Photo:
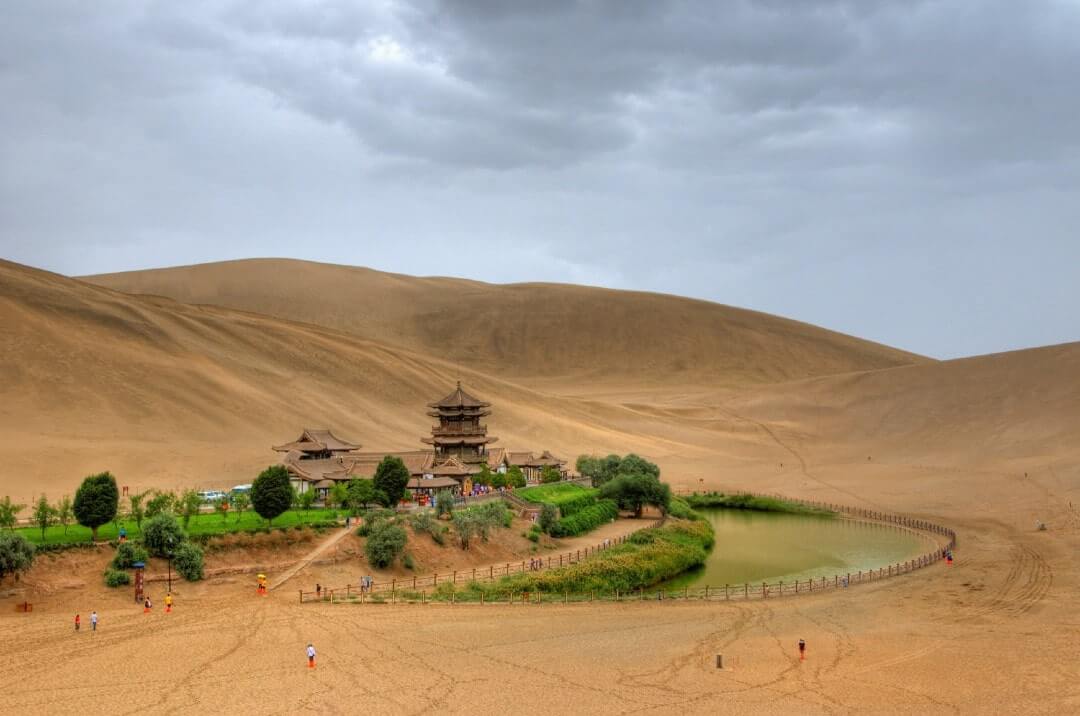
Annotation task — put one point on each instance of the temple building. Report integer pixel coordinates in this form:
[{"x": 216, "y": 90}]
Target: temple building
[{"x": 459, "y": 450}]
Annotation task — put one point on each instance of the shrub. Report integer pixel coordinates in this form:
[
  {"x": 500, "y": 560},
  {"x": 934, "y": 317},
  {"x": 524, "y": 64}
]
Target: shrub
[
  {"x": 96, "y": 501},
  {"x": 549, "y": 474},
  {"x": 384, "y": 544},
  {"x": 407, "y": 562},
  {"x": 162, "y": 501},
  {"x": 9, "y": 513},
  {"x": 576, "y": 503},
  {"x": 586, "y": 520},
  {"x": 127, "y": 554},
  {"x": 679, "y": 508},
  {"x": 444, "y": 503},
  {"x": 161, "y": 531},
  {"x": 271, "y": 493},
  {"x": 533, "y": 536},
  {"x": 116, "y": 577},
  {"x": 515, "y": 477},
  {"x": 189, "y": 504},
  {"x": 188, "y": 560},
  {"x": 16, "y": 555},
  {"x": 361, "y": 493},
  {"x": 549, "y": 515}
]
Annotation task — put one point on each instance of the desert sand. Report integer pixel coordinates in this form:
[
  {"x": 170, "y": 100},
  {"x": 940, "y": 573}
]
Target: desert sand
[{"x": 169, "y": 393}]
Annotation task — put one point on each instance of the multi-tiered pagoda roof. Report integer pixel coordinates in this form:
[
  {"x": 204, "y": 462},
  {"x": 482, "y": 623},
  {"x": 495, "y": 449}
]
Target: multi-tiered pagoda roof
[{"x": 459, "y": 431}]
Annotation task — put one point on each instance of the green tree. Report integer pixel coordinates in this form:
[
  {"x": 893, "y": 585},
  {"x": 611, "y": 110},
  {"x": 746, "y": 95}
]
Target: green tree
[
  {"x": 466, "y": 526},
  {"x": 384, "y": 543},
  {"x": 271, "y": 493},
  {"x": 9, "y": 513},
  {"x": 360, "y": 493},
  {"x": 588, "y": 466},
  {"x": 44, "y": 515},
  {"x": 16, "y": 555},
  {"x": 135, "y": 507},
  {"x": 515, "y": 477},
  {"x": 189, "y": 503},
  {"x": 127, "y": 554},
  {"x": 485, "y": 475},
  {"x": 633, "y": 464},
  {"x": 391, "y": 476},
  {"x": 633, "y": 492},
  {"x": 221, "y": 506},
  {"x": 96, "y": 502},
  {"x": 240, "y": 502},
  {"x": 549, "y": 517},
  {"x": 609, "y": 469},
  {"x": 498, "y": 480},
  {"x": 549, "y": 474},
  {"x": 65, "y": 513},
  {"x": 162, "y": 501},
  {"x": 444, "y": 503},
  {"x": 339, "y": 495},
  {"x": 305, "y": 500},
  {"x": 162, "y": 534}
]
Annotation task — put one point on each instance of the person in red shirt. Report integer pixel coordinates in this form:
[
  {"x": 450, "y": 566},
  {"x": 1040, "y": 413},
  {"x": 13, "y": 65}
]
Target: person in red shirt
[{"x": 78, "y": 622}]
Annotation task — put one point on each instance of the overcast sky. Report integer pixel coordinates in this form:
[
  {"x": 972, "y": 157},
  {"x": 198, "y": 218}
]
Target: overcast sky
[{"x": 904, "y": 171}]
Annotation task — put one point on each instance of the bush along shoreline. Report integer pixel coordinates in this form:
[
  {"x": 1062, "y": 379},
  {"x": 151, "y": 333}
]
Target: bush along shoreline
[
  {"x": 746, "y": 501},
  {"x": 647, "y": 558}
]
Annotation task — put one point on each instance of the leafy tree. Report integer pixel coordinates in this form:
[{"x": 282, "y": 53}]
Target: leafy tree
[
  {"x": 162, "y": 501},
  {"x": 44, "y": 515},
  {"x": 240, "y": 502},
  {"x": 633, "y": 492},
  {"x": 271, "y": 493},
  {"x": 588, "y": 466},
  {"x": 515, "y": 477},
  {"x": 549, "y": 474},
  {"x": 549, "y": 516},
  {"x": 189, "y": 504},
  {"x": 162, "y": 534},
  {"x": 384, "y": 543},
  {"x": 9, "y": 513},
  {"x": 609, "y": 469},
  {"x": 65, "y": 513},
  {"x": 632, "y": 464},
  {"x": 96, "y": 502},
  {"x": 339, "y": 495},
  {"x": 221, "y": 506},
  {"x": 16, "y": 555},
  {"x": 498, "y": 480},
  {"x": 135, "y": 507},
  {"x": 485, "y": 475},
  {"x": 360, "y": 493},
  {"x": 444, "y": 503},
  {"x": 391, "y": 476},
  {"x": 305, "y": 500},
  {"x": 465, "y": 524},
  {"x": 188, "y": 560}
]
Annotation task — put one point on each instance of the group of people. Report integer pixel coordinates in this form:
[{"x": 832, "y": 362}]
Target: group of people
[
  {"x": 148, "y": 605},
  {"x": 93, "y": 621},
  {"x": 536, "y": 563}
]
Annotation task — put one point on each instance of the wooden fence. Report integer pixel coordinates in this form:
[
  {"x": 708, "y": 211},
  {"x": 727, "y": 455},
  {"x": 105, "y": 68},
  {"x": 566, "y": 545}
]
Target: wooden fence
[{"x": 415, "y": 590}]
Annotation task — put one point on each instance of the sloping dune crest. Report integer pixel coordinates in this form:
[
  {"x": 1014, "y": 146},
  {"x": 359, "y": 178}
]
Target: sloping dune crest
[{"x": 565, "y": 337}]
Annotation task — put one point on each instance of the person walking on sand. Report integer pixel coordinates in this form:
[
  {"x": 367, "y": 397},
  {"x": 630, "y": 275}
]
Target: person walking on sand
[
  {"x": 310, "y": 656},
  {"x": 78, "y": 621},
  {"x": 802, "y": 650},
  {"x": 168, "y": 603},
  {"x": 147, "y": 605},
  {"x": 93, "y": 621}
]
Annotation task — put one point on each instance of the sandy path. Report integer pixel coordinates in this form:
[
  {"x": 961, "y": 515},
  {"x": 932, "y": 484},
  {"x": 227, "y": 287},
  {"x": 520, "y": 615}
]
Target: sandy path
[{"x": 311, "y": 557}]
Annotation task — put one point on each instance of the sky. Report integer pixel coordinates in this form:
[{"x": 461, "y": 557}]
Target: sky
[{"x": 906, "y": 171}]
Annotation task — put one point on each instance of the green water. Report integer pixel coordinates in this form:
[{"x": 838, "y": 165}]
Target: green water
[{"x": 760, "y": 547}]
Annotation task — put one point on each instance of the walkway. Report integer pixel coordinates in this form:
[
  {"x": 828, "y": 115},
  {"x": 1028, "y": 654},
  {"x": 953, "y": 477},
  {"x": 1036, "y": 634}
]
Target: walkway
[{"x": 311, "y": 557}]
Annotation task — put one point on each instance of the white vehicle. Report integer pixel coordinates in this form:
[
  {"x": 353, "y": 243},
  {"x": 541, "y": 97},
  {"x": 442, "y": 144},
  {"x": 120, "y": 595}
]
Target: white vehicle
[
  {"x": 212, "y": 495},
  {"x": 241, "y": 488}
]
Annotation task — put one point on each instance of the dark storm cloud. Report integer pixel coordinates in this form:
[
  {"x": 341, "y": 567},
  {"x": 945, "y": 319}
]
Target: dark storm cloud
[{"x": 903, "y": 170}]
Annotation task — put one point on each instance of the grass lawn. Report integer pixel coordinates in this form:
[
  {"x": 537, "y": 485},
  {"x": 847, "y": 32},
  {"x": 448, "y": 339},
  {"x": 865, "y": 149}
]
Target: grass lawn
[
  {"x": 203, "y": 524},
  {"x": 554, "y": 493},
  {"x": 746, "y": 501}
]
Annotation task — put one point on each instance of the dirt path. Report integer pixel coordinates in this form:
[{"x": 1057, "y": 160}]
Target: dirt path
[{"x": 310, "y": 557}]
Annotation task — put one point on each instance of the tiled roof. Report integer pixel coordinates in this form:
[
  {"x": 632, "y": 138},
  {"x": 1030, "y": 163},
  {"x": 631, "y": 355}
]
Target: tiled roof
[{"x": 459, "y": 399}]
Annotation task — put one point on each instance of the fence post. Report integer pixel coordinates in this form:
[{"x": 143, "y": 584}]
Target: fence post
[
  {"x": 414, "y": 582},
  {"x": 746, "y": 590},
  {"x": 455, "y": 576},
  {"x": 781, "y": 592},
  {"x": 796, "y": 586},
  {"x": 481, "y": 598},
  {"x": 764, "y": 595},
  {"x": 706, "y": 592},
  {"x": 301, "y": 596}
]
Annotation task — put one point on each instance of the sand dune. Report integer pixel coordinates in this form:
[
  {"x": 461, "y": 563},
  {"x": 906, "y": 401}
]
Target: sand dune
[
  {"x": 170, "y": 394},
  {"x": 561, "y": 337}
]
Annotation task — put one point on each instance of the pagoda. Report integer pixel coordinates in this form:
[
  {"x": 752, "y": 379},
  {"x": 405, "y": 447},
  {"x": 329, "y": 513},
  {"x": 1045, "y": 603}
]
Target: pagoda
[{"x": 460, "y": 434}]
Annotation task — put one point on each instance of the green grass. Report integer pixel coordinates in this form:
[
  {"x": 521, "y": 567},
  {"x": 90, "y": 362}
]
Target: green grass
[
  {"x": 204, "y": 524},
  {"x": 746, "y": 501},
  {"x": 555, "y": 493}
]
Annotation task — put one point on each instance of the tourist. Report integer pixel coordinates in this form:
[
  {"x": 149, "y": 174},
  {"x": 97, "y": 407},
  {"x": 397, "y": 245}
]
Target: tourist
[
  {"x": 802, "y": 649},
  {"x": 123, "y": 534},
  {"x": 147, "y": 605},
  {"x": 311, "y": 656},
  {"x": 78, "y": 622},
  {"x": 318, "y": 591},
  {"x": 93, "y": 621},
  {"x": 168, "y": 603}
]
